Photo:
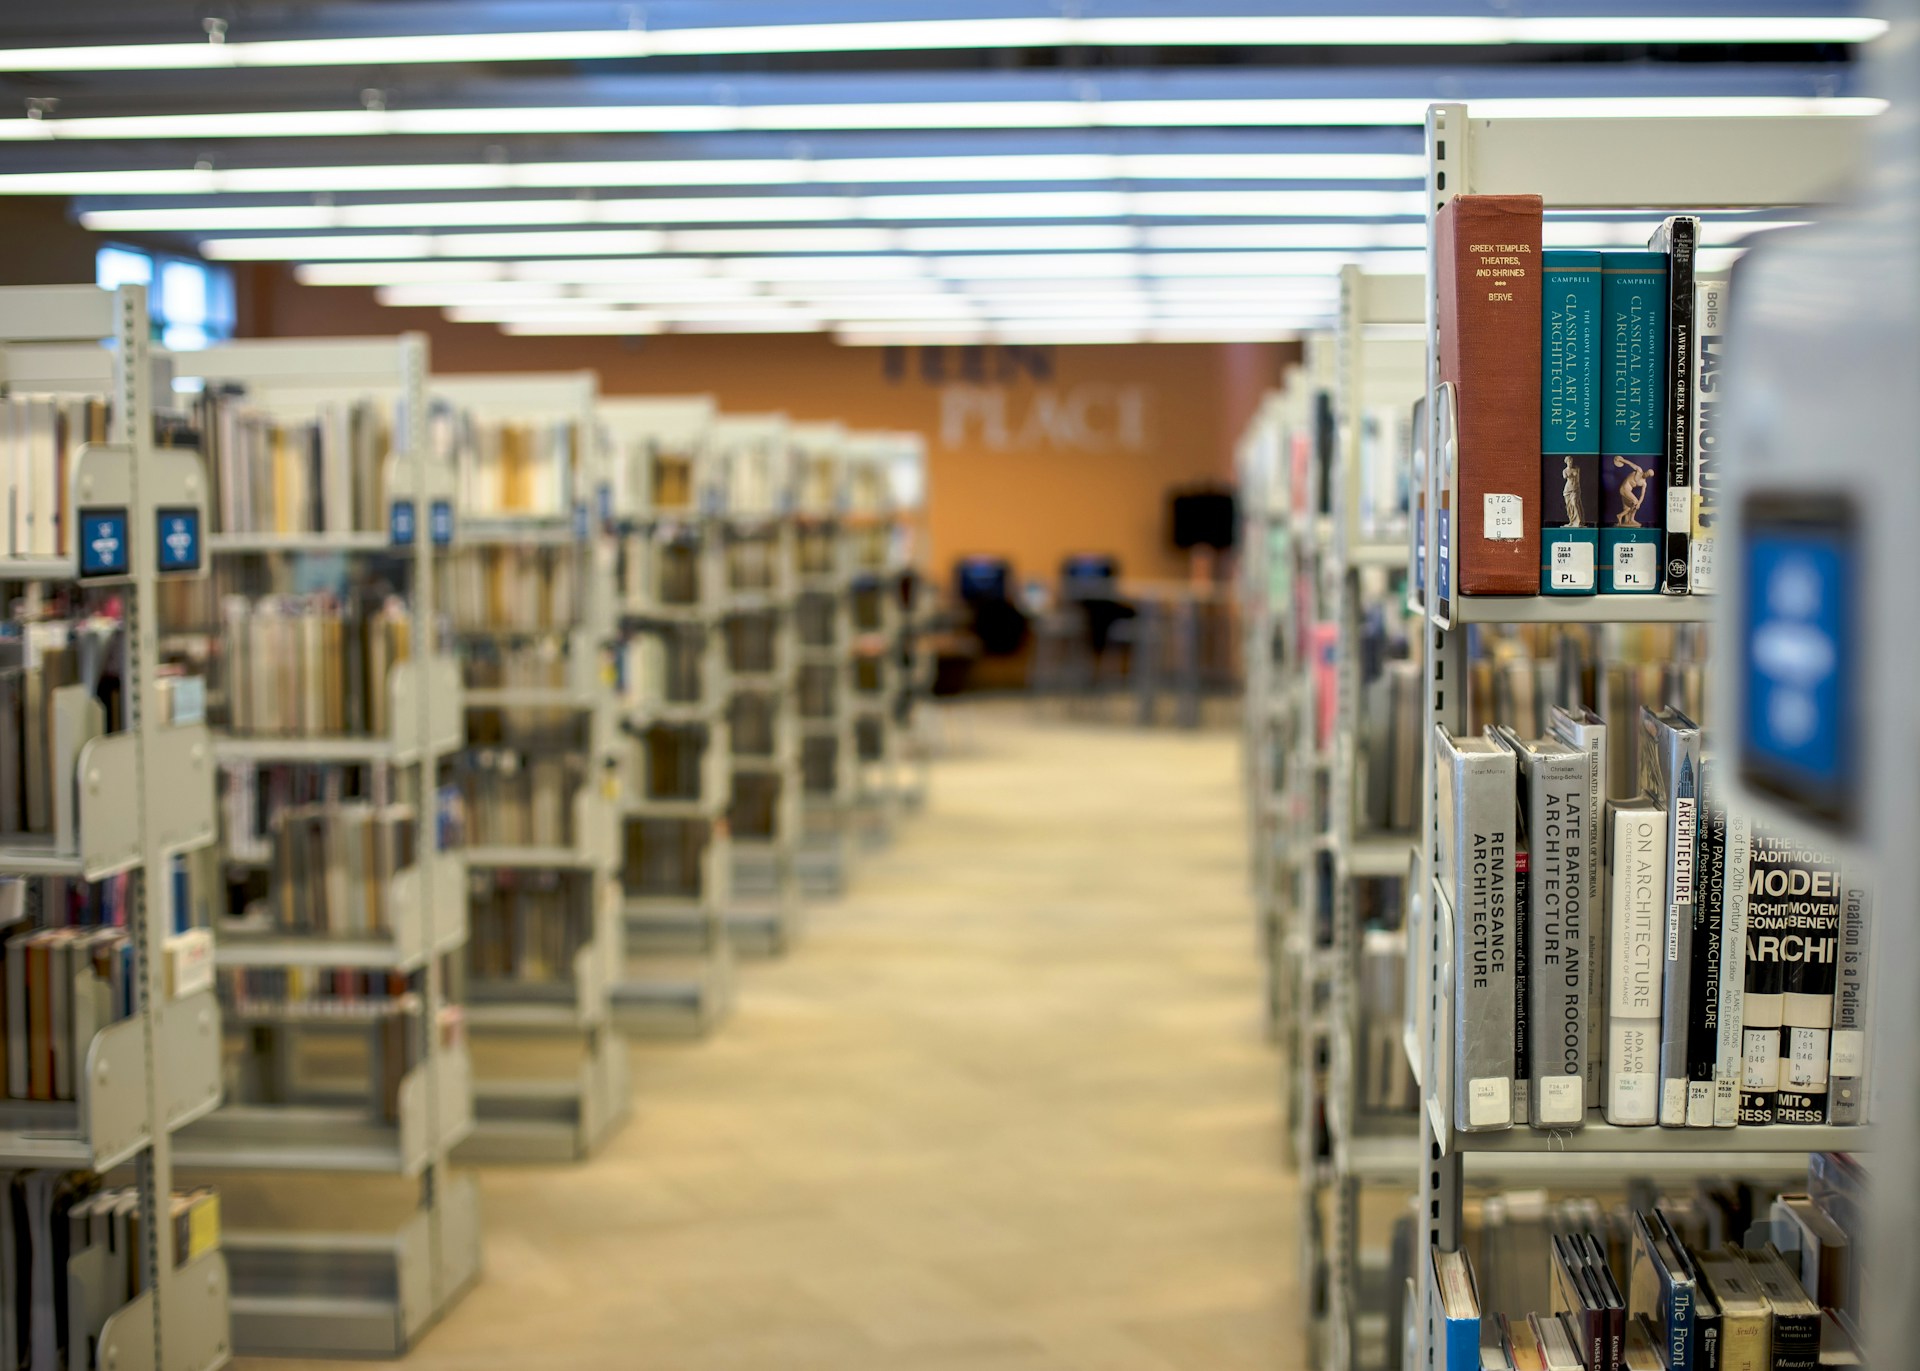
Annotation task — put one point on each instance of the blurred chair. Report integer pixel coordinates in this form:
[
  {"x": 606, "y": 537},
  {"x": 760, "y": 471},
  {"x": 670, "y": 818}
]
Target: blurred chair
[{"x": 981, "y": 585}]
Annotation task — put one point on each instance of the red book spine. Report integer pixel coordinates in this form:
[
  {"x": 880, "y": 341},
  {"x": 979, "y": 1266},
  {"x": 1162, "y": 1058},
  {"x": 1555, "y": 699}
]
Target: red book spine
[{"x": 1489, "y": 302}]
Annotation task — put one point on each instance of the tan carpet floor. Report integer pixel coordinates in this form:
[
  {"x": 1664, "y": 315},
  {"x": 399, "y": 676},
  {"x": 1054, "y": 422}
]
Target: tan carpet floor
[{"x": 1007, "y": 1108}]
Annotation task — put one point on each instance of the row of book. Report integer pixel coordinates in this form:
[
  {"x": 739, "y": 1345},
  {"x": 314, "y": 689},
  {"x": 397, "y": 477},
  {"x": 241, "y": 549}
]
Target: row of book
[
  {"x": 523, "y": 926},
  {"x": 310, "y": 665},
  {"x": 1659, "y": 956},
  {"x": 753, "y": 723},
  {"x": 1584, "y": 394},
  {"x": 330, "y": 869},
  {"x": 273, "y": 476},
  {"x": 1782, "y": 1295},
  {"x": 532, "y": 664},
  {"x": 61, "y": 684},
  {"x": 662, "y": 565},
  {"x": 515, "y": 468},
  {"x": 664, "y": 858},
  {"x": 668, "y": 664},
  {"x": 61, "y": 987},
  {"x": 667, "y": 761},
  {"x": 753, "y": 642},
  {"x": 817, "y": 687},
  {"x": 51, "y": 1217},
  {"x": 518, "y": 796},
  {"x": 513, "y": 589},
  {"x": 303, "y": 994},
  {"x": 40, "y": 436},
  {"x": 754, "y": 813}
]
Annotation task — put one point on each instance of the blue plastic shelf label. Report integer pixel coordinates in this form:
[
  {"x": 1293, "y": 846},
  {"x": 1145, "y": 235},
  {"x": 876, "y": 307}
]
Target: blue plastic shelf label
[
  {"x": 178, "y": 542},
  {"x": 400, "y": 522},
  {"x": 580, "y": 521},
  {"x": 103, "y": 542},
  {"x": 604, "y": 495},
  {"x": 440, "y": 523},
  {"x": 1798, "y": 656}
]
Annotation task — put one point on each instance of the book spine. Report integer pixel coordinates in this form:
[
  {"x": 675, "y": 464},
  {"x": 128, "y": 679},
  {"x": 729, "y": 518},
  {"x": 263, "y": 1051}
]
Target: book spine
[
  {"x": 1709, "y": 893},
  {"x": 1489, "y": 349},
  {"x": 1682, "y": 804},
  {"x": 1770, "y": 921},
  {"x": 1633, "y": 979},
  {"x": 1484, "y": 948},
  {"x": 1813, "y": 898},
  {"x": 1560, "y": 835},
  {"x": 1710, "y": 341},
  {"x": 1796, "y": 1342},
  {"x": 1522, "y": 1000},
  {"x": 1569, "y": 423},
  {"x": 1633, "y": 303},
  {"x": 1847, "y": 1072},
  {"x": 1681, "y": 231},
  {"x": 1733, "y": 970}
]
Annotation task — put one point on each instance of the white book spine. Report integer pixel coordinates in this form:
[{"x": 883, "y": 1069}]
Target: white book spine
[
  {"x": 1635, "y": 965},
  {"x": 1846, "y": 1103},
  {"x": 1733, "y": 972}
]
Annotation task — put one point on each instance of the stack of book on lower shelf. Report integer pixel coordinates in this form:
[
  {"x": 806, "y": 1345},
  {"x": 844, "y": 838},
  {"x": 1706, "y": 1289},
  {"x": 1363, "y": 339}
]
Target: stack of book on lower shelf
[
  {"x": 327, "y": 864},
  {"x": 1728, "y": 1278},
  {"x": 1657, "y": 957},
  {"x": 69, "y": 1247},
  {"x": 311, "y": 665}
]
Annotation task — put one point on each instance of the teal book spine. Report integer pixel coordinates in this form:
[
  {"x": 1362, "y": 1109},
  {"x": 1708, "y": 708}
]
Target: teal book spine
[
  {"x": 1633, "y": 427},
  {"x": 1569, "y": 422}
]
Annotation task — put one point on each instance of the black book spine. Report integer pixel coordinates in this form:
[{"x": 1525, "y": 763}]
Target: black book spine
[
  {"x": 1796, "y": 1342},
  {"x": 1522, "y": 1050},
  {"x": 1709, "y": 899},
  {"x": 1678, "y": 542}
]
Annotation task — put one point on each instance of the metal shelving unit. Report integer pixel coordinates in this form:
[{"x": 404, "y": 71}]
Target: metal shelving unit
[
  {"x": 1646, "y": 164},
  {"x": 141, "y": 797},
  {"x": 550, "y": 1070},
  {"x": 302, "y": 1284},
  {"x": 823, "y": 612},
  {"x": 764, "y": 910},
  {"x": 667, "y": 496},
  {"x": 1367, "y": 1148}
]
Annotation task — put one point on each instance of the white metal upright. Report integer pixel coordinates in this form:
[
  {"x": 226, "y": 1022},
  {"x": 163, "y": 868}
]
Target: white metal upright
[{"x": 137, "y": 798}]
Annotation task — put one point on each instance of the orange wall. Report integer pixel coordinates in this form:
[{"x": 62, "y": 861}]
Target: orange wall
[{"x": 1019, "y": 466}]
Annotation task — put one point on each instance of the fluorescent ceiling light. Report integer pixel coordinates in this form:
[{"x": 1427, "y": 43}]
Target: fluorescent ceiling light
[
  {"x": 597, "y": 243},
  {"x": 926, "y": 35},
  {"x": 954, "y": 114},
  {"x": 605, "y": 323},
  {"x": 1021, "y": 237},
  {"x": 722, "y": 240},
  {"x": 438, "y": 214},
  {"x": 726, "y": 171},
  {"x": 1257, "y": 236}
]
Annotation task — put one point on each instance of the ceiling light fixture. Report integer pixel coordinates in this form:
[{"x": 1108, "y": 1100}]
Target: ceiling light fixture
[
  {"x": 503, "y": 120},
  {"x": 928, "y": 35}
]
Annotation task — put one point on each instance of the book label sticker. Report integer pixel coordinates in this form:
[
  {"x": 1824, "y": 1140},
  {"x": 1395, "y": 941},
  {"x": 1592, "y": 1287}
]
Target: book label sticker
[
  {"x": 1680, "y": 510},
  {"x": 1849, "y": 1051},
  {"x": 178, "y": 541},
  {"x": 1760, "y": 1060},
  {"x": 1563, "y": 1099},
  {"x": 1502, "y": 520},
  {"x": 1572, "y": 566},
  {"x": 1807, "y": 1062},
  {"x": 1673, "y": 1100},
  {"x": 1702, "y": 565},
  {"x": 1700, "y": 1104},
  {"x": 103, "y": 542},
  {"x": 1636, "y": 566},
  {"x": 1633, "y": 1095},
  {"x": 1489, "y": 1101}
]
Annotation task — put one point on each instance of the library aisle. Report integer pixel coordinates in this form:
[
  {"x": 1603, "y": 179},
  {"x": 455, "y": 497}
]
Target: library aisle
[{"x": 1006, "y": 1108}]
